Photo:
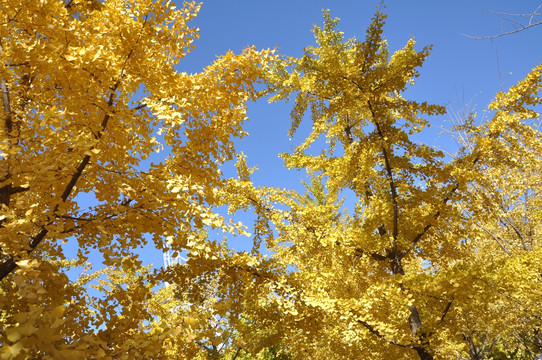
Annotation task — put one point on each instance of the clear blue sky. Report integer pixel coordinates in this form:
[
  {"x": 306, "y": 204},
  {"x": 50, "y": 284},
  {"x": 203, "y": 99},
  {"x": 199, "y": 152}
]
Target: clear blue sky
[{"x": 461, "y": 71}]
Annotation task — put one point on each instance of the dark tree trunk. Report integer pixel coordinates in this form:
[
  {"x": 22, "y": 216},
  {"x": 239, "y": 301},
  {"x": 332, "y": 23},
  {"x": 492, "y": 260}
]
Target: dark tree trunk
[{"x": 423, "y": 354}]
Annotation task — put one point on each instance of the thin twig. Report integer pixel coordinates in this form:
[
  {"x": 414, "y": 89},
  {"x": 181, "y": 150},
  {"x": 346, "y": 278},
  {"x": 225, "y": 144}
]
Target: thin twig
[{"x": 518, "y": 26}]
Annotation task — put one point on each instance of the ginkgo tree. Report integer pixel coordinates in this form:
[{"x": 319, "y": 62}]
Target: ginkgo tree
[
  {"x": 438, "y": 257},
  {"x": 90, "y": 91}
]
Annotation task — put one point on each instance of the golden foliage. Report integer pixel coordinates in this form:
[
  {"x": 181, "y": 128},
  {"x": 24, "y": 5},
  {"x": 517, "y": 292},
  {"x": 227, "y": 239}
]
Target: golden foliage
[
  {"x": 436, "y": 257},
  {"x": 94, "y": 108}
]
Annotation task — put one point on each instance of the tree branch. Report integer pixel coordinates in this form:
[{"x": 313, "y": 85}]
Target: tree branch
[
  {"x": 10, "y": 264},
  {"x": 394, "y": 255},
  {"x": 236, "y": 353},
  {"x": 517, "y": 24},
  {"x": 496, "y": 238},
  {"x": 505, "y": 33},
  {"x": 444, "y": 313},
  {"x": 389, "y": 171},
  {"x": 373, "y": 331}
]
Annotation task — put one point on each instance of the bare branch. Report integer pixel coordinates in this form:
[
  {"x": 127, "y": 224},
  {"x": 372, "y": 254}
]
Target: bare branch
[
  {"x": 511, "y": 18},
  {"x": 504, "y": 33}
]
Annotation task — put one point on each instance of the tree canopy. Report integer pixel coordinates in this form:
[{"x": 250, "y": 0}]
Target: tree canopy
[
  {"x": 396, "y": 250},
  {"x": 90, "y": 91},
  {"x": 420, "y": 264}
]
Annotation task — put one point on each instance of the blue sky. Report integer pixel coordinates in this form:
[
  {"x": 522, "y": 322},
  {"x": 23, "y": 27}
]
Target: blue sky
[{"x": 460, "y": 72}]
